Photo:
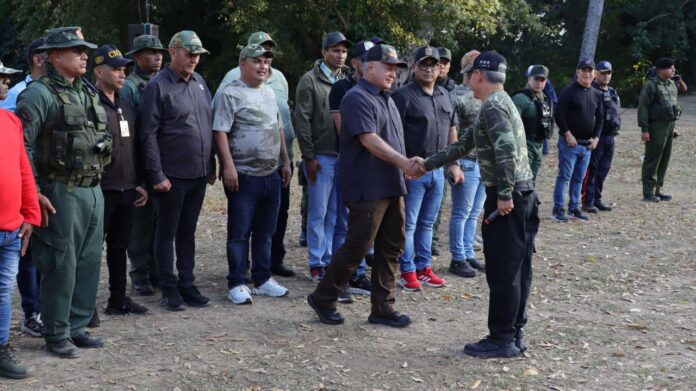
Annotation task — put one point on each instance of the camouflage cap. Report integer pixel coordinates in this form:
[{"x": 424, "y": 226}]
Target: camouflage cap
[
  {"x": 7, "y": 71},
  {"x": 260, "y": 38},
  {"x": 188, "y": 40},
  {"x": 65, "y": 37},
  {"x": 385, "y": 54},
  {"x": 255, "y": 51},
  {"x": 146, "y": 41}
]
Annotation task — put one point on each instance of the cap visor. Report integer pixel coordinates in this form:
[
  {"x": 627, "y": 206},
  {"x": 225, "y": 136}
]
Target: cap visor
[
  {"x": 198, "y": 51},
  {"x": 400, "y": 64},
  {"x": 424, "y": 57},
  {"x": 65, "y": 45},
  {"x": 133, "y": 51},
  {"x": 8, "y": 71}
]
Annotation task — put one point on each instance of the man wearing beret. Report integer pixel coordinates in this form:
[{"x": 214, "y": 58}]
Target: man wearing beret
[
  {"x": 122, "y": 182},
  {"x": 658, "y": 112},
  {"x": 67, "y": 140},
  {"x": 317, "y": 139},
  {"x": 147, "y": 53},
  {"x": 177, "y": 141},
  {"x": 508, "y": 240}
]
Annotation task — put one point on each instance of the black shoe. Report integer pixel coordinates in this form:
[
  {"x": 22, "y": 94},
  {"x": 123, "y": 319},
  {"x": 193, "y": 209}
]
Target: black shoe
[
  {"x": 63, "y": 349},
  {"x": 519, "y": 341},
  {"x": 87, "y": 341},
  {"x": 435, "y": 252},
  {"x": 477, "y": 265},
  {"x": 394, "y": 319},
  {"x": 462, "y": 269},
  {"x": 576, "y": 214},
  {"x": 651, "y": 198},
  {"x": 345, "y": 297},
  {"x": 559, "y": 214},
  {"x": 602, "y": 207},
  {"x": 360, "y": 286},
  {"x": 283, "y": 271},
  {"x": 589, "y": 208},
  {"x": 487, "y": 348},
  {"x": 9, "y": 367},
  {"x": 192, "y": 296},
  {"x": 142, "y": 286},
  {"x": 94, "y": 322},
  {"x": 326, "y": 315},
  {"x": 172, "y": 300},
  {"x": 125, "y": 306},
  {"x": 664, "y": 197}
]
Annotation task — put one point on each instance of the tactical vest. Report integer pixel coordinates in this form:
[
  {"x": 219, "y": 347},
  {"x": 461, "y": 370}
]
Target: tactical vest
[
  {"x": 665, "y": 107},
  {"x": 612, "y": 118},
  {"x": 77, "y": 147},
  {"x": 540, "y": 127}
]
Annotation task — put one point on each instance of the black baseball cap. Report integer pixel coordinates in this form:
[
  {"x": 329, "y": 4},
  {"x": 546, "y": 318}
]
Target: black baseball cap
[
  {"x": 384, "y": 53},
  {"x": 376, "y": 40},
  {"x": 111, "y": 56},
  {"x": 604, "y": 66},
  {"x": 664, "y": 62},
  {"x": 334, "y": 38},
  {"x": 361, "y": 48},
  {"x": 586, "y": 63},
  {"x": 424, "y": 52},
  {"x": 490, "y": 61},
  {"x": 31, "y": 49}
]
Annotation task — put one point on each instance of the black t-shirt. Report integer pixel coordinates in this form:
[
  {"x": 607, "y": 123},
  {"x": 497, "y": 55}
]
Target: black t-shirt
[
  {"x": 338, "y": 91},
  {"x": 364, "y": 176}
]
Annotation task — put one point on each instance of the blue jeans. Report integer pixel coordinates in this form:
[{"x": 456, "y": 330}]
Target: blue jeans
[
  {"x": 252, "y": 211},
  {"x": 421, "y": 204},
  {"x": 321, "y": 212},
  {"x": 467, "y": 203},
  {"x": 341, "y": 228},
  {"x": 572, "y": 166},
  {"x": 10, "y": 246}
]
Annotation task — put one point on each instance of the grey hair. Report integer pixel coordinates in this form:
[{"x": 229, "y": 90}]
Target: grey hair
[
  {"x": 494, "y": 76},
  {"x": 363, "y": 66}
]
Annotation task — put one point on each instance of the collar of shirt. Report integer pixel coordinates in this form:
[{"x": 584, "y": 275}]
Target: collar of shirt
[
  {"x": 328, "y": 73},
  {"x": 28, "y": 79},
  {"x": 175, "y": 77},
  {"x": 372, "y": 89},
  {"x": 104, "y": 100},
  {"x": 54, "y": 75}
]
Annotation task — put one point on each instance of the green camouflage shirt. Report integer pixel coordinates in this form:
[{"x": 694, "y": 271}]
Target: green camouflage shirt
[
  {"x": 467, "y": 107},
  {"x": 501, "y": 146}
]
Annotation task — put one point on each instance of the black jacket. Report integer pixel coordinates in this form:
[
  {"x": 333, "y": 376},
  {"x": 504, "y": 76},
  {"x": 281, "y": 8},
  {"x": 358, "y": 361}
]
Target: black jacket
[{"x": 125, "y": 170}]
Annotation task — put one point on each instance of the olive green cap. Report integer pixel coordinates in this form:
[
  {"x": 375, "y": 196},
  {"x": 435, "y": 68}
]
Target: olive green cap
[
  {"x": 445, "y": 53},
  {"x": 146, "y": 42},
  {"x": 65, "y": 37},
  {"x": 259, "y": 38},
  {"x": 255, "y": 51},
  {"x": 188, "y": 40}
]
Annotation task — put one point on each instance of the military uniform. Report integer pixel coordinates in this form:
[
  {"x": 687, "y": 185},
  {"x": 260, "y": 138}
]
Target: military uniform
[
  {"x": 658, "y": 112},
  {"x": 66, "y": 137},
  {"x": 537, "y": 116}
]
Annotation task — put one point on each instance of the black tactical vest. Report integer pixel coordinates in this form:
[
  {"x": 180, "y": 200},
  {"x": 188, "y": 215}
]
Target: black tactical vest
[
  {"x": 540, "y": 127},
  {"x": 611, "y": 104}
]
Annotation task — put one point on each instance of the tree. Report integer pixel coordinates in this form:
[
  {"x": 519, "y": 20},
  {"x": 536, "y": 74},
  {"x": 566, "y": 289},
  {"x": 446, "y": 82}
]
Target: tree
[{"x": 592, "y": 23}]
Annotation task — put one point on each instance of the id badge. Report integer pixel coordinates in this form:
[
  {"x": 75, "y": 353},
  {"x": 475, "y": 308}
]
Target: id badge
[{"x": 125, "y": 132}]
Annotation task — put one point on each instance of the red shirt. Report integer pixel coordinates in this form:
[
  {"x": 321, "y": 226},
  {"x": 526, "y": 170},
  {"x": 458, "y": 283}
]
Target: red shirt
[{"x": 19, "y": 202}]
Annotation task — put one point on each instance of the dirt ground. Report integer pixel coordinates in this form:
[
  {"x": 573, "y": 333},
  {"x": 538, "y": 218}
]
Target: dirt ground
[{"x": 612, "y": 308}]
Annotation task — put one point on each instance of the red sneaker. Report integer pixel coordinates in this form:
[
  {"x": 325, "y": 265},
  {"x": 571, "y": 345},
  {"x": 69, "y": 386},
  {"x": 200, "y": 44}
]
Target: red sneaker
[
  {"x": 316, "y": 273},
  {"x": 410, "y": 282},
  {"x": 429, "y": 278}
]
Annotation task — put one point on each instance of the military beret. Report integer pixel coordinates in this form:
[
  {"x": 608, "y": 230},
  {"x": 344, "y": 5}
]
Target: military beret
[{"x": 664, "y": 63}]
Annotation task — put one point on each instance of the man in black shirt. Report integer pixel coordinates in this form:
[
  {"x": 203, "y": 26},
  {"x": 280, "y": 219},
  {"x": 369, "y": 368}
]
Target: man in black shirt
[{"x": 580, "y": 120}]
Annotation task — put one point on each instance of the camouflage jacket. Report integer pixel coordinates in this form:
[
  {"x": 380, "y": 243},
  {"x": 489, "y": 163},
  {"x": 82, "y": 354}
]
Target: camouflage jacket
[
  {"x": 467, "y": 108},
  {"x": 501, "y": 146}
]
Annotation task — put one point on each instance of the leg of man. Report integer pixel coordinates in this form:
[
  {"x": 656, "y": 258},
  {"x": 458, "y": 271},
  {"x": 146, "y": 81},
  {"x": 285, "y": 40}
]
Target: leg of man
[
  {"x": 341, "y": 228},
  {"x": 389, "y": 244},
  {"x": 186, "y": 232},
  {"x": 28, "y": 285},
  {"x": 566, "y": 163},
  {"x": 531, "y": 227},
  {"x": 118, "y": 224},
  {"x": 278, "y": 245},
  {"x": 141, "y": 244},
  {"x": 479, "y": 197},
  {"x": 589, "y": 182},
  {"x": 666, "y": 155},
  {"x": 319, "y": 218},
  {"x": 10, "y": 245},
  {"x": 263, "y": 226},
  {"x": 241, "y": 207},
  {"x": 603, "y": 166},
  {"x": 458, "y": 215},
  {"x": 170, "y": 204},
  {"x": 535, "y": 155},
  {"x": 364, "y": 219},
  {"x": 582, "y": 156},
  {"x": 654, "y": 150},
  {"x": 412, "y": 200},
  {"x": 436, "y": 226},
  {"x": 429, "y": 209}
]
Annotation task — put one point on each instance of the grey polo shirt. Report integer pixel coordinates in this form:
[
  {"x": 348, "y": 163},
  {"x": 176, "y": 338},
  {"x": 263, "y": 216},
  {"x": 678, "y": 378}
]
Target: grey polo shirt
[
  {"x": 176, "y": 127},
  {"x": 364, "y": 176}
]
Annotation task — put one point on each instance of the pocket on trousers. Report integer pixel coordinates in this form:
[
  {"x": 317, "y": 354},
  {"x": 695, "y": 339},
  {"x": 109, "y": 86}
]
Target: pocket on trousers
[
  {"x": 467, "y": 165},
  {"x": 534, "y": 221},
  {"x": 49, "y": 254}
]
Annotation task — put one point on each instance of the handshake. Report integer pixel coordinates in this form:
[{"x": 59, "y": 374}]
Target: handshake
[{"x": 414, "y": 168}]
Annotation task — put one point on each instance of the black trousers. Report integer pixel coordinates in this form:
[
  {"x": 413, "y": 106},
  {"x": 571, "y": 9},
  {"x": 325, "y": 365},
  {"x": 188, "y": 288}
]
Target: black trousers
[
  {"x": 277, "y": 242},
  {"x": 597, "y": 171},
  {"x": 178, "y": 216},
  {"x": 508, "y": 243},
  {"x": 119, "y": 214}
]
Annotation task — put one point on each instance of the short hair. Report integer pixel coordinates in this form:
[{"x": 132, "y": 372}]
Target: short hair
[
  {"x": 364, "y": 66},
  {"x": 494, "y": 76}
]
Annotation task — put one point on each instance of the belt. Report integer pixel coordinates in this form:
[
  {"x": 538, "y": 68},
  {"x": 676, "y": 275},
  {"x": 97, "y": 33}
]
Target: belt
[{"x": 85, "y": 181}]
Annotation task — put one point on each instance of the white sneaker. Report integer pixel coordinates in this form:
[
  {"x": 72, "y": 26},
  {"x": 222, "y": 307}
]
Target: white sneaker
[
  {"x": 240, "y": 294},
  {"x": 270, "y": 288}
]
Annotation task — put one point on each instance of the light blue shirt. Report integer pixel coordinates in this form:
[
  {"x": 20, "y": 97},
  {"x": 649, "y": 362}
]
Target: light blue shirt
[{"x": 10, "y": 103}]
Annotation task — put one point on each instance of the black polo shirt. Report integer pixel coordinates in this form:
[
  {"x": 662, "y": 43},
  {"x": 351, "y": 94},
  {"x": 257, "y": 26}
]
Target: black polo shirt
[
  {"x": 426, "y": 118},
  {"x": 364, "y": 176},
  {"x": 338, "y": 91}
]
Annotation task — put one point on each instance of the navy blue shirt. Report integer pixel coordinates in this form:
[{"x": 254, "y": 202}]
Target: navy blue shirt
[
  {"x": 364, "y": 176},
  {"x": 176, "y": 128},
  {"x": 426, "y": 118}
]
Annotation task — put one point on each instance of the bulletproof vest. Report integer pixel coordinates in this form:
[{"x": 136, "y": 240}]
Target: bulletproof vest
[
  {"x": 77, "y": 147},
  {"x": 611, "y": 104},
  {"x": 540, "y": 127},
  {"x": 664, "y": 107}
]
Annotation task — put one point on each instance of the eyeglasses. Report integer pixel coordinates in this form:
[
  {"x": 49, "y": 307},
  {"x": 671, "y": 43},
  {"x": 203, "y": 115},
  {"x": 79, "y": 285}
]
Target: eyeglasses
[{"x": 426, "y": 66}]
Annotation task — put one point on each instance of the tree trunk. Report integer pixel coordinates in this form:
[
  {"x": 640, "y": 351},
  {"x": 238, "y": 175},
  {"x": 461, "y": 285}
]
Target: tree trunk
[{"x": 592, "y": 22}]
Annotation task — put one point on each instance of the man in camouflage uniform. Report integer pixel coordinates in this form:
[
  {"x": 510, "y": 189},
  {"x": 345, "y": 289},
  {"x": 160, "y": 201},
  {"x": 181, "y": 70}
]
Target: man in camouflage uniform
[
  {"x": 536, "y": 111},
  {"x": 508, "y": 240},
  {"x": 65, "y": 135},
  {"x": 250, "y": 142},
  {"x": 658, "y": 112},
  {"x": 147, "y": 52}
]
